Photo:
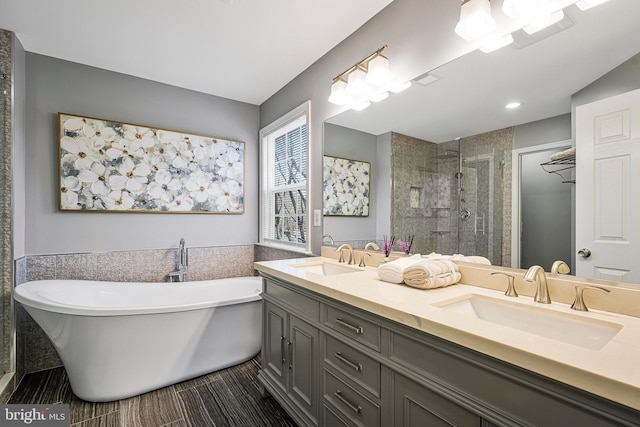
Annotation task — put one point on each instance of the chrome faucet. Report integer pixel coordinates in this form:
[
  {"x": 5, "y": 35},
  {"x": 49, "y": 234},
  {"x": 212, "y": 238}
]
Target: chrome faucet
[
  {"x": 578, "y": 303},
  {"x": 372, "y": 245},
  {"x": 560, "y": 267},
  {"x": 536, "y": 273},
  {"x": 346, "y": 246},
  {"x": 511, "y": 289},
  {"x": 180, "y": 275}
]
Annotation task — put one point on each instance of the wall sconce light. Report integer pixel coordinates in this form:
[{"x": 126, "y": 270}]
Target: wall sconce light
[
  {"x": 588, "y": 4},
  {"x": 475, "y": 19},
  {"x": 477, "y": 23},
  {"x": 369, "y": 80},
  {"x": 543, "y": 21}
]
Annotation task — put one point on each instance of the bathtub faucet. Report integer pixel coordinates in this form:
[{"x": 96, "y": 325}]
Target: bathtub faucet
[{"x": 180, "y": 275}]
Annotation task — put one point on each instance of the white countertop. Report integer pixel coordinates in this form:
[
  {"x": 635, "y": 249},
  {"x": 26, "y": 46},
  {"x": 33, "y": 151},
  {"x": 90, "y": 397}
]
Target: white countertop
[{"x": 612, "y": 372}]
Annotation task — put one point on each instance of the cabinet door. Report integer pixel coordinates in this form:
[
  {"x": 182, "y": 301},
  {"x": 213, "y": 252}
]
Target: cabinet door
[
  {"x": 417, "y": 406},
  {"x": 303, "y": 365},
  {"x": 274, "y": 344}
]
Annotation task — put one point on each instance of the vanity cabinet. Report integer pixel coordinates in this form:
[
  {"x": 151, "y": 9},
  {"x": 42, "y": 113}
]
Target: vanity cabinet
[
  {"x": 331, "y": 364},
  {"x": 290, "y": 361}
]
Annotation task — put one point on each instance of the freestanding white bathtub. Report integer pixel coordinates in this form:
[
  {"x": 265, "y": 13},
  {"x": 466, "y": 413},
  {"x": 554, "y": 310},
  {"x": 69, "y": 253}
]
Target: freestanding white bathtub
[{"x": 118, "y": 340}]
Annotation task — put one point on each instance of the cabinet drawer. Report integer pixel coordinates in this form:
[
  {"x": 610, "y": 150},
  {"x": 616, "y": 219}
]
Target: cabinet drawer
[
  {"x": 331, "y": 418},
  {"x": 305, "y": 305},
  {"x": 357, "y": 408},
  {"x": 354, "y": 326},
  {"x": 353, "y": 364}
]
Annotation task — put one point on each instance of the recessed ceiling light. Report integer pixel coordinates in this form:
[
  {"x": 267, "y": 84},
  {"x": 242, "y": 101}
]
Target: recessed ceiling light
[{"x": 512, "y": 105}]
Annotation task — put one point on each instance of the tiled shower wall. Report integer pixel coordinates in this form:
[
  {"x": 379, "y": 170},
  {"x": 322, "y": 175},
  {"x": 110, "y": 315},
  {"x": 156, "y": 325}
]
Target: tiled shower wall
[
  {"x": 416, "y": 185},
  {"x": 424, "y": 199},
  {"x": 6, "y": 251},
  {"x": 35, "y": 351}
]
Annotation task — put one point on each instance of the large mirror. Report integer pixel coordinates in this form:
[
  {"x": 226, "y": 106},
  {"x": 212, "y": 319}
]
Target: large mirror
[{"x": 441, "y": 152}]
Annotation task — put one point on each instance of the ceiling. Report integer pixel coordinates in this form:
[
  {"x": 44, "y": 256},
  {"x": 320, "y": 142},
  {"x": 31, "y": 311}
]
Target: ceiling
[
  {"x": 470, "y": 95},
  {"x": 244, "y": 50}
]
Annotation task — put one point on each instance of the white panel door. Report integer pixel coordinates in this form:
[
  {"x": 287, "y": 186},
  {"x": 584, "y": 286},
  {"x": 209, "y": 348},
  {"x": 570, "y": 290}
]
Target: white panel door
[{"x": 608, "y": 188}]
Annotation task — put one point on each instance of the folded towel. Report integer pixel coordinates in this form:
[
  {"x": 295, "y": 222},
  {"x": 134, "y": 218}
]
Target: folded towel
[
  {"x": 564, "y": 154},
  {"x": 476, "y": 259},
  {"x": 438, "y": 281},
  {"x": 392, "y": 271},
  {"x": 429, "y": 268}
]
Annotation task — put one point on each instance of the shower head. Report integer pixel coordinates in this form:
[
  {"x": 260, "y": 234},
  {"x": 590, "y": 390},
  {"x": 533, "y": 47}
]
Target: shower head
[{"x": 448, "y": 154}]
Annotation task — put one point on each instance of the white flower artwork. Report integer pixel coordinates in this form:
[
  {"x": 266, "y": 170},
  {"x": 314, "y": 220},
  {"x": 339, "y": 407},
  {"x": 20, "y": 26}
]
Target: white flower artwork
[
  {"x": 111, "y": 166},
  {"x": 345, "y": 187}
]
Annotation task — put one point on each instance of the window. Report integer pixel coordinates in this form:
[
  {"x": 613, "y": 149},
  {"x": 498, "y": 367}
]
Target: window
[{"x": 284, "y": 210}]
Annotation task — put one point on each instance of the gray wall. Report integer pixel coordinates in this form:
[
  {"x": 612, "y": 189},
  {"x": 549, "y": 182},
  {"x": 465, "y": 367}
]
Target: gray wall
[
  {"x": 542, "y": 131},
  {"x": 354, "y": 145},
  {"x": 54, "y": 86},
  {"x": 622, "y": 79},
  {"x": 407, "y": 27}
]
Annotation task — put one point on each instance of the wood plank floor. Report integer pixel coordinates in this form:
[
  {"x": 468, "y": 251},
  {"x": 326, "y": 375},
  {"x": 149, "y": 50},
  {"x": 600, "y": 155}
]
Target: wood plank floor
[{"x": 227, "y": 398}]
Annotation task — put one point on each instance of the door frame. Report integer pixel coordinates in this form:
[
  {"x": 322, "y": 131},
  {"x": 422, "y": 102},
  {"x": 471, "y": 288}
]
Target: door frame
[{"x": 516, "y": 180}]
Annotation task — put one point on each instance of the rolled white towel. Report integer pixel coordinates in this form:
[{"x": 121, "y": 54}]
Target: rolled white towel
[
  {"x": 439, "y": 281},
  {"x": 428, "y": 268},
  {"x": 393, "y": 271},
  {"x": 563, "y": 154},
  {"x": 476, "y": 259}
]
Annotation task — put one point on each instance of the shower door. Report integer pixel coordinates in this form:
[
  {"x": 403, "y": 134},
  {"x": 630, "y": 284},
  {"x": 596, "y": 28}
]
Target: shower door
[
  {"x": 5, "y": 303},
  {"x": 480, "y": 200}
]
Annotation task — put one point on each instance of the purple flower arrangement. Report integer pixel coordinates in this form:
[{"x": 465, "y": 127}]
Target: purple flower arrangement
[
  {"x": 387, "y": 245},
  {"x": 405, "y": 246}
]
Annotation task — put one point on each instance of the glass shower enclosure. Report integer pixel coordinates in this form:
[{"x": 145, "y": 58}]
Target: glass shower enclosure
[{"x": 450, "y": 196}]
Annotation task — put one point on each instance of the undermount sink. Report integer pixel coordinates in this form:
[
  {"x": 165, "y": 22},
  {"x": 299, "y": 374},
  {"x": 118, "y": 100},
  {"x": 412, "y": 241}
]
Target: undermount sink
[
  {"x": 584, "y": 332},
  {"x": 325, "y": 268}
]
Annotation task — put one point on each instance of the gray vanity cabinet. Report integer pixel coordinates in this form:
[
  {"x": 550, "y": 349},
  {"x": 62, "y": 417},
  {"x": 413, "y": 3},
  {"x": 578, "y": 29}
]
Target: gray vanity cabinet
[
  {"x": 331, "y": 364},
  {"x": 416, "y": 406},
  {"x": 290, "y": 361}
]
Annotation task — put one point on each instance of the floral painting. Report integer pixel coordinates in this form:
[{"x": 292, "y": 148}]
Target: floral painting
[
  {"x": 111, "y": 166},
  {"x": 346, "y": 187}
]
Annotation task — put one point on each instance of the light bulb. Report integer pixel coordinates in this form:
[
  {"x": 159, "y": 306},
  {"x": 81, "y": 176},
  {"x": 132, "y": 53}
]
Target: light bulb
[
  {"x": 338, "y": 92},
  {"x": 497, "y": 43},
  {"x": 378, "y": 73},
  {"x": 588, "y": 4},
  {"x": 543, "y": 21},
  {"x": 357, "y": 86},
  {"x": 475, "y": 20}
]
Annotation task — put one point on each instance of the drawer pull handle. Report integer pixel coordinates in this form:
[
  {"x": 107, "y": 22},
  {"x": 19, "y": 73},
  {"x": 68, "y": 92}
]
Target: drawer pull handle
[
  {"x": 355, "y": 408},
  {"x": 356, "y": 366},
  {"x": 284, "y": 359},
  {"x": 356, "y": 329}
]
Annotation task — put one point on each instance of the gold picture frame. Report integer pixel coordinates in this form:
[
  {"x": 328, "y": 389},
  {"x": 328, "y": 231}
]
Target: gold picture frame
[{"x": 109, "y": 166}]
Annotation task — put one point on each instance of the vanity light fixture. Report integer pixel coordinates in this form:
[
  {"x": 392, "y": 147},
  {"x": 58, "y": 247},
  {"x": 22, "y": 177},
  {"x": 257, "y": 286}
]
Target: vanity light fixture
[
  {"x": 517, "y": 9},
  {"x": 543, "y": 21},
  {"x": 476, "y": 22},
  {"x": 497, "y": 43},
  {"x": 369, "y": 80},
  {"x": 588, "y": 4},
  {"x": 475, "y": 19}
]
